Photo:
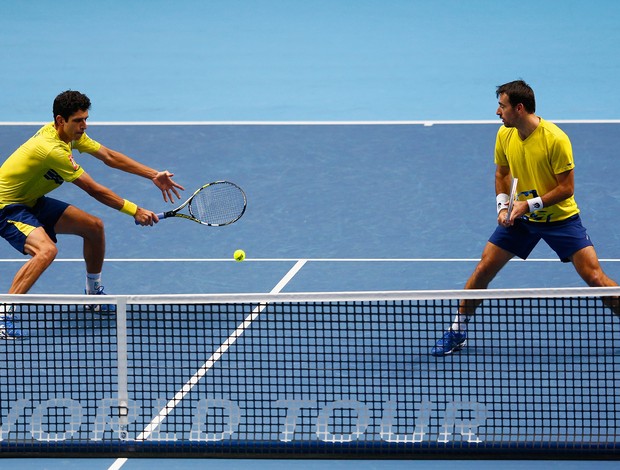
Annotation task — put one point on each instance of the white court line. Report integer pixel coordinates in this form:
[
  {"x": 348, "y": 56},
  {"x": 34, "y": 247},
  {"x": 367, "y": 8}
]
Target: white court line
[
  {"x": 118, "y": 463},
  {"x": 294, "y": 260},
  {"x": 426, "y": 123},
  {"x": 189, "y": 385}
]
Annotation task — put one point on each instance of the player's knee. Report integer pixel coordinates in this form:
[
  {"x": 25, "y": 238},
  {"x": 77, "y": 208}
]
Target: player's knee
[
  {"x": 99, "y": 226},
  {"x": 41, "y": 247},
  {"x": 483, "y": 274},
  {"x": 595, "y": 278},
  {"x": 94, "y": 225},
  {"x": 48, "y": 252}
]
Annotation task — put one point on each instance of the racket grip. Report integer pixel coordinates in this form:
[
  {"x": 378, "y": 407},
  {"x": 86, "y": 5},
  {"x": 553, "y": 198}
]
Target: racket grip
[{"x": 160, "y": 216}]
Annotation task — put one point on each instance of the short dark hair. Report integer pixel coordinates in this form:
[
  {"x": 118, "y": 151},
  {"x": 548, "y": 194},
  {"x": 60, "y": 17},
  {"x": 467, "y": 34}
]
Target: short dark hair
[
  {"x": 518, "y": 92},
  {"x": 70, "y": 102}
]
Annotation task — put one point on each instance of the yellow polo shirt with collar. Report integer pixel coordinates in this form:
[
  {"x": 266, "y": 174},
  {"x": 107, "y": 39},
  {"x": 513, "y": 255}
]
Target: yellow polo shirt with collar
[
  {"x": 535, "y": 161},
  {"x": 41, "y": 165}
]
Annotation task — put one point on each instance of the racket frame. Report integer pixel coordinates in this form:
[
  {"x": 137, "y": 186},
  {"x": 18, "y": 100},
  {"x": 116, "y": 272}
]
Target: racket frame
[
  {"x": 513, "y": 196},
  {"x": 176, "y": 212}
]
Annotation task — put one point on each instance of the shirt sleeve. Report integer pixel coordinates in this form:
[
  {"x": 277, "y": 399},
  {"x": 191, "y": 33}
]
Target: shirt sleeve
[
  {"x": 500, "y": 148},
  {"x": 562, "y": 156},
  {"x": 64, "y": 165}
]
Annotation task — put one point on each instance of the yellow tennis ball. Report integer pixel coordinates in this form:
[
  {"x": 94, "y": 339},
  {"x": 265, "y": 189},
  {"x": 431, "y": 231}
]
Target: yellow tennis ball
[{"x": 239, "y": 255}]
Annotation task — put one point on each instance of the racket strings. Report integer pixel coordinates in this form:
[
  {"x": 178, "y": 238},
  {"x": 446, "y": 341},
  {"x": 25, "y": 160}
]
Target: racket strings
[{"x": 218, "y": 204}]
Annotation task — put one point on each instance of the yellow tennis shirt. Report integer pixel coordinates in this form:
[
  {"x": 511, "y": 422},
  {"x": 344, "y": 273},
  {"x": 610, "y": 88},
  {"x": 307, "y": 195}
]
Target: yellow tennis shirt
[
  {"x": 535, "y": 161},
  {"x": 40, "y": 165}
]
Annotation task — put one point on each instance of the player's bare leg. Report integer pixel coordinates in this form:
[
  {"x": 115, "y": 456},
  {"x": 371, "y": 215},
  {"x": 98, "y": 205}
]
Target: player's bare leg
[
  {"x": 75, "y": 221},
  {"x": 493, "y": 259},
  {"x": 43, "y": 251},
  {"x": 491, "y": 262},
  {"x": 588, "y": 267}
]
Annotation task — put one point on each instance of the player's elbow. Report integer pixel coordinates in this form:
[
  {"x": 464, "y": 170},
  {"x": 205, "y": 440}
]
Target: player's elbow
[{"x": 568, "y": 192}]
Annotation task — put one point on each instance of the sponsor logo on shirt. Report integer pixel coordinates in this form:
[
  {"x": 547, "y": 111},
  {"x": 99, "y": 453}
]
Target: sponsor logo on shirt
[
  {"x": 53, "y": 176},
  {"x": 76, "y": 167}
]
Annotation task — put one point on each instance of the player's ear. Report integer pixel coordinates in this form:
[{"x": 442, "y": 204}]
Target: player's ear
[{"x": 59, "y": 120}]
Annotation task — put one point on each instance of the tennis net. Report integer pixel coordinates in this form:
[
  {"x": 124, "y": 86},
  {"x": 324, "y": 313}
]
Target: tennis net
[{"x": 313, "y": 375}]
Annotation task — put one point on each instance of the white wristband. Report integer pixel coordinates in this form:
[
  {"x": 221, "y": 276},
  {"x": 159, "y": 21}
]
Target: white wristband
[
  {"x": 502, "y": 201},
  {"x": 535, "y": 204}
]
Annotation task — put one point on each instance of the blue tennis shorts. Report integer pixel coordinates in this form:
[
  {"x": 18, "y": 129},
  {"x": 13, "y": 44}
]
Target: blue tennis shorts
[
  {"x": 565, "y": 237},
  {"x": 18, "y": 220}
]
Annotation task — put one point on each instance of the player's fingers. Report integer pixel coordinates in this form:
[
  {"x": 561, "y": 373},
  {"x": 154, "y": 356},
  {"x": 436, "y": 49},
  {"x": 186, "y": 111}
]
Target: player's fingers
[
  {"x": 166, "y": 196},
  {"x": 148, "y": 219}
]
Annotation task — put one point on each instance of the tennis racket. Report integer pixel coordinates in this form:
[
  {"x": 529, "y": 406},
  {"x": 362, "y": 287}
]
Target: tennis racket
[
  {"x": 513, "y": 196},
  {"x": 214, "y": 204}
]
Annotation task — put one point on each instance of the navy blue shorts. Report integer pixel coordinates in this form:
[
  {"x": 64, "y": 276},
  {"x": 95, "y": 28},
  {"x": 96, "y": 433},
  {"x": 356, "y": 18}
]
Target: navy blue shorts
[
  {"x": 18, "y": 220},
  {"x": 565, "y": 237}
]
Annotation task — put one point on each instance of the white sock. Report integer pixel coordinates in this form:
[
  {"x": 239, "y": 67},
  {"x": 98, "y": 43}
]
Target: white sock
[
  {"x": 93, "y": 282},
  {"x": 460, "y": 323}
]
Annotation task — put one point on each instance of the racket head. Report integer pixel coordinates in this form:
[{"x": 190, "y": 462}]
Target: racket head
[{"x": 217, "y": 204}]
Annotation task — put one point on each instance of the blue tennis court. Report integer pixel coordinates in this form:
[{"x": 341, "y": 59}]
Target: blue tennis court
[
  {"x": 357, "y": 231},
  {"x": 192, "y": 259},
  {"x": 348, "y": 162}
]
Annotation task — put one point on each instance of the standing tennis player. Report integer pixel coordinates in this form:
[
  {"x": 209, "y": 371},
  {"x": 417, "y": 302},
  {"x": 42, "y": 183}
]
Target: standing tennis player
[
  {"x": 29, "y": 220},
  {"x": 540, "y": 156}
]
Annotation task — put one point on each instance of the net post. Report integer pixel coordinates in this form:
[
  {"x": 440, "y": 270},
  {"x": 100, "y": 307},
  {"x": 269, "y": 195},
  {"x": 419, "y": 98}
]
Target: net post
[{"x": 121, "y": 351}]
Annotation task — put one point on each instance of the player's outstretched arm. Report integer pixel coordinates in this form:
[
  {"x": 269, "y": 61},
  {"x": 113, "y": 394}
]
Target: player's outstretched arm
[
  {"x": 108, "y": 197},
  {"x": 161, "y": 179}
]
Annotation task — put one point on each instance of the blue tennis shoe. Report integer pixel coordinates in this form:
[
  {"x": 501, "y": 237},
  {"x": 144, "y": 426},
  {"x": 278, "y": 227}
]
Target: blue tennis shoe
[
  {"x": 101, "y": 309},
  {"x": 450, "y": 342},
  {"x": 7, "y": 327}
]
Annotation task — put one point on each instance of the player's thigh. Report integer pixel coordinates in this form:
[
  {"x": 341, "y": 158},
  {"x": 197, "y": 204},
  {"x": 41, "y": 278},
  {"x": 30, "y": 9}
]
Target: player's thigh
[
  {"x": 495, "y": 255},
  {"x": 75, "y": 221},
  {"x": 38, "y": 242},
  {"x": 587, "y": 264},
  {"x": 493, "y": 259}
]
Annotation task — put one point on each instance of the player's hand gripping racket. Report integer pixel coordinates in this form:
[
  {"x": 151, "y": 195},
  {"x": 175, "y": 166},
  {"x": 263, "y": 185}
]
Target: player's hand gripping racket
[
  {"x": 513, "y": 196},
  {"x": 214, "y": 204}
]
